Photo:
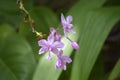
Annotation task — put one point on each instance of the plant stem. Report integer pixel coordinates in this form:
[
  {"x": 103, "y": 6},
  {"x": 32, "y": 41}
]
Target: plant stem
[
  {"x": 30, "y": 20},
  {"x": 27, "y": 15}
]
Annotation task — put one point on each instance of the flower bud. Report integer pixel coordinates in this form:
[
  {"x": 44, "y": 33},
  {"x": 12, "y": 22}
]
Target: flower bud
[
  {"x": 75, "y": 45},
  {"x": 58, "y": 36},
  {"x": 52, "y": 30}
]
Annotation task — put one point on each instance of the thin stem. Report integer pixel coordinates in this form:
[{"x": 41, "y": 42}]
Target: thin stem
[
  {"x": 30, "y": 20},
  {"x": 69, "y": 39},
  {"x": 27, "y": 15}
]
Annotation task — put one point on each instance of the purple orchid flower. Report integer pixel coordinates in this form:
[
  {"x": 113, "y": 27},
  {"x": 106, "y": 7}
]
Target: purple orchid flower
[
  {"x": 62, "y": 60},
  {"x": 49, "y": 45},
  {"x": 66, "y": 23}
]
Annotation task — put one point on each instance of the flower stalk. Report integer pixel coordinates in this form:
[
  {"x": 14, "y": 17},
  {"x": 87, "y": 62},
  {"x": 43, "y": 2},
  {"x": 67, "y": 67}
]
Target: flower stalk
[{"x": 29, "y": 20}]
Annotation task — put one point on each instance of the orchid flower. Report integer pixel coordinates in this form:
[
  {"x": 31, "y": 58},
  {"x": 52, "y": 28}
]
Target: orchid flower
[
  {"x": 49, "y": 45},
  {"x": 62, "y": 60},
  {"x": 66, "y": 24}
]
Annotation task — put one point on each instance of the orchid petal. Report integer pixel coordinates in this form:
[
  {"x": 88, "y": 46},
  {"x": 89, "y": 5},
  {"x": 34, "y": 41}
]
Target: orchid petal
[
  {"x": 63, "y": 19},
  {"x": 58, "y": 44},
  {"x": 42, "y": 42},
  {"x": 75, "y": 45},
  {"x": 66, "y": 59},
  {"x": 72, "y": 31},
  {"x": 58, "y": 36},
  {"x": 69, "y": 26},
  {"x": 49, "y": 56},
  {"x": 43, "y": 50},
  {"x": 58, "y": 63},
  {"x": 50, "y": 39},
  {"x": 64, "y": 67},
  {"x": 69, "y": 19},
  {"x": 60, "y": 53},
  {"x": 52, "y": 30},
  {"x": 55, "y": 50}
]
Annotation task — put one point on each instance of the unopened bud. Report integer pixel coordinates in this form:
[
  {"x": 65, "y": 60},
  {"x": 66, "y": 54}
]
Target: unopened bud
[
  {"x": 52, "y": 30},
  {"x": 58, "y": 36},
  {"x": 75, "y": 45}
]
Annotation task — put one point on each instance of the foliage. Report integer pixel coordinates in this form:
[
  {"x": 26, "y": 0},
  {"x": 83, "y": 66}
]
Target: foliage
[{"x": 19, "y": 59}]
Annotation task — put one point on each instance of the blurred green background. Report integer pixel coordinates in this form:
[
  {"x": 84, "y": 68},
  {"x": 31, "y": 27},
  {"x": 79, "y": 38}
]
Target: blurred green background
[{"x": 97, "y": 23}]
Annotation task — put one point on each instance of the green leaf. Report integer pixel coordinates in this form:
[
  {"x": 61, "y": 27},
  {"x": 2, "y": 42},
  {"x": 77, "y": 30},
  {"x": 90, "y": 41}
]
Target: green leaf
[
  {"x": 6, "y": 30},
  {"x": 115, "y": 72},
  {"x": 95, "y": 26},
  {"x": 99, "y": 69},
  {"x": 16, "y": 59}
]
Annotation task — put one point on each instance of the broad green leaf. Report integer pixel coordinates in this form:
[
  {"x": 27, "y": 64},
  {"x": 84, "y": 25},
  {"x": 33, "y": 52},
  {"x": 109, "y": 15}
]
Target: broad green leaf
[
  {"x": 95, "y": 25},
  {"x": 115, "y": 72},
  {"x": 16, "y": 59},
  {"x": 6, "y": 30},
  {"x": 99, "y": 69}
]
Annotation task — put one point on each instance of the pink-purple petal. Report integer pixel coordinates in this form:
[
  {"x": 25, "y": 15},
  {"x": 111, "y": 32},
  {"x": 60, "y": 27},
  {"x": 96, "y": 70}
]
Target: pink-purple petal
[
  {"x": 58, "y": 36},
  {"x": 43, "y": 50},
  {"x": 69, "y": 19},
  {"x": 64, "y": 67},
  {"x": 66, "y": 59},
  {"x": 64, "y": 25},
  {"x": 49, "y": 56},
  {"x": 42, "y": 43},
  {"x": 55, "y": 50},
  {"x": 58, "y": 44},
  {"x": 50, "y": 39},
  {"x": 75, "y": 45},
  {"x": 52, "y": 30},
  {"x": 58, "y": 63},
  {"x": 72, "y": 31},
  {"x": 63, "y": 19},
  {"x": 60, "y": 53},
  {"x": 69, "y": 26}
]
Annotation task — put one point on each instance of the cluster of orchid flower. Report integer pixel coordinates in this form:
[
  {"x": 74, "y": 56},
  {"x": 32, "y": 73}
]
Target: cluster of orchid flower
[{"x": 54, "y": 44}]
